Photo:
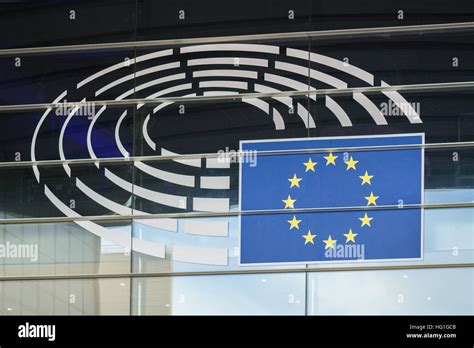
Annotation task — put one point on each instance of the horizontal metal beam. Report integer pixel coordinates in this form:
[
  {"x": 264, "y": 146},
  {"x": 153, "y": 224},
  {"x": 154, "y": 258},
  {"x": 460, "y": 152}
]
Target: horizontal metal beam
[
  {"x": 235, "y": 213},
  {"x": 418, "y": 88},
  {"x": 237, "y": 154},
  {"x": 289, "y": 36},
  {"x": 235, "y": 272}
]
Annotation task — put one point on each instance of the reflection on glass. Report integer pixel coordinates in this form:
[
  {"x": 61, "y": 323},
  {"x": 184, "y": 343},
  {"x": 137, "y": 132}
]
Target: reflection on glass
[
  {"x": 280, "y": 294},
  {"x": 205, "y": 184},
  {"x": 64, "y": 190},
  {"x": 84, "y": 247},
  {"x": 66, "y": 297},
  {"x": 412, "y": 292}
]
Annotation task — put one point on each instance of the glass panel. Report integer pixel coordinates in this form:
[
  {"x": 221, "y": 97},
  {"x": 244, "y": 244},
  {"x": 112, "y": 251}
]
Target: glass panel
[
  {"x": 449, "y": 175},
  {"x": 213, "y": 244},
  {"x": 448, "y": 237},
  {"x": 211, "y": 185},
  {"x": 396, "y": 59},
  {"x": 400, "y": 292},
  {"x": 37, "y": 136},
  {"x": 184, "y": 18},
  {"x": 84, "y": 247},
  {"x": 444, "y": 116},
  {"x": 222, "y": 68},
  {"x": 345, "y": 14},
  {"x": 253, "y": 294},
  {"x": 66, "y": 297},
  {"x": 218, "y": 125},
  {"x": 67, "y": 77},
  {"x": 51, "y": 23},
  {"x": 64, "y": 190},
  {"x": 188, "y": 245}
]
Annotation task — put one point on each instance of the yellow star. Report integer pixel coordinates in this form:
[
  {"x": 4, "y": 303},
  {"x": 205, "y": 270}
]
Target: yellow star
[
  {"x": 330, "y": 159},
  {"x": 351, "y": 163},
  {"x": 366, "y": 220},
  {"x": 350, "y": 236},
  {"x": 371, "y": 199},
  {"x": 366, "y": 178},
  {"x": 294, "y": 223},
  {"x": 310, "y": 165},
  {"x": 295, "y": 181},
  {"x": 329, "y": 243},
  {"x": 308, "y": 238},
  {"x": 289, "y": 203}
]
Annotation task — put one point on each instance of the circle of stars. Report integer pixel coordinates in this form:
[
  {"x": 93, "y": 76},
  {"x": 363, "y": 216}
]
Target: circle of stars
[{"x": 295, "y": 182}]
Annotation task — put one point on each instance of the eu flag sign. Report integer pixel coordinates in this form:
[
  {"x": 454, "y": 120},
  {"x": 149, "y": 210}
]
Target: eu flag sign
[{"x": 334, "y": 199}]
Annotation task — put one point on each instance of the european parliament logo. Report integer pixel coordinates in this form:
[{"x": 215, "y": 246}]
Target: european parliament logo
[{"x": 332, "y": 199}]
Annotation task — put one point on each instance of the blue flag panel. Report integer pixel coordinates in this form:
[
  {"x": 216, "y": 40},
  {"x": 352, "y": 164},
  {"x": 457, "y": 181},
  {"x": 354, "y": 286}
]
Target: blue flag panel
[{"x": 367, "y": 179}]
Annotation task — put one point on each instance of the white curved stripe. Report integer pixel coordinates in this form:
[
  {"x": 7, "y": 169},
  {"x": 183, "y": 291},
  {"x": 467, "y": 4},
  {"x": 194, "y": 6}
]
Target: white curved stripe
[
  {"x": 218, "y": 93},
  {"x": 314, "y": 74},
  {"x": 210, "y": 204},
  {"x": 114, "y": 237},
  {"x": 151, "y": 83},
  {"x": 161, "y": 106},
  {"x": 305, "y": 116},
  {"x": 175, "y": 201},
  {"x": 165, "y": 224},
  {"x": 185, "y": 180},
  {"x": 149, "y": 248},
  {"x": 124, "y": 64},
  {"x": 232, "y": 47},
  {"x": 288, "y": 101},
  {"x": 120, "y": 146},
  {"x": 336, "y": 109},
  {"x": 90, "y": 149},
  {"x": 333, "y": 63},
  {"x": 303, "y": 113},
  {"x": 35, "y": 135},
  {"x": 215, "y": 182},
  {"x": 285, "y": 81},
  {"x": 203, "y": 256},
  {"x": 218, "y": 163},
  {"x": 124, "y": 240},
  {"x": 371, "y": 108},
  {"x": 402, "y": 104},
  {"x": 146, "y": 136},
  {"x": 227, "y": 73},
  {"x": 278, "y": 120},
  {"x": 265, "y": 107},
  {"x": 103, "y": 201},
  {"x": 167, "y": 91},
  {"x": 229, "y": 61},
  {"x": 206, "y": 228},
  {"x": 159, "y": 81},
  {"x": 188, "y": 162},
  {"x": 179, "y": 179},
  {"x": 262, "y": 105},
  {"x": 138, "y": 74},
  {"x": 61, "y": 138},
  {"x": 224, "y": 84}
]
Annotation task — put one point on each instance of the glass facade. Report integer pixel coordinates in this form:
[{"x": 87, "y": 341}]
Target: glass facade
[{"x": 115, "y": 196}]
